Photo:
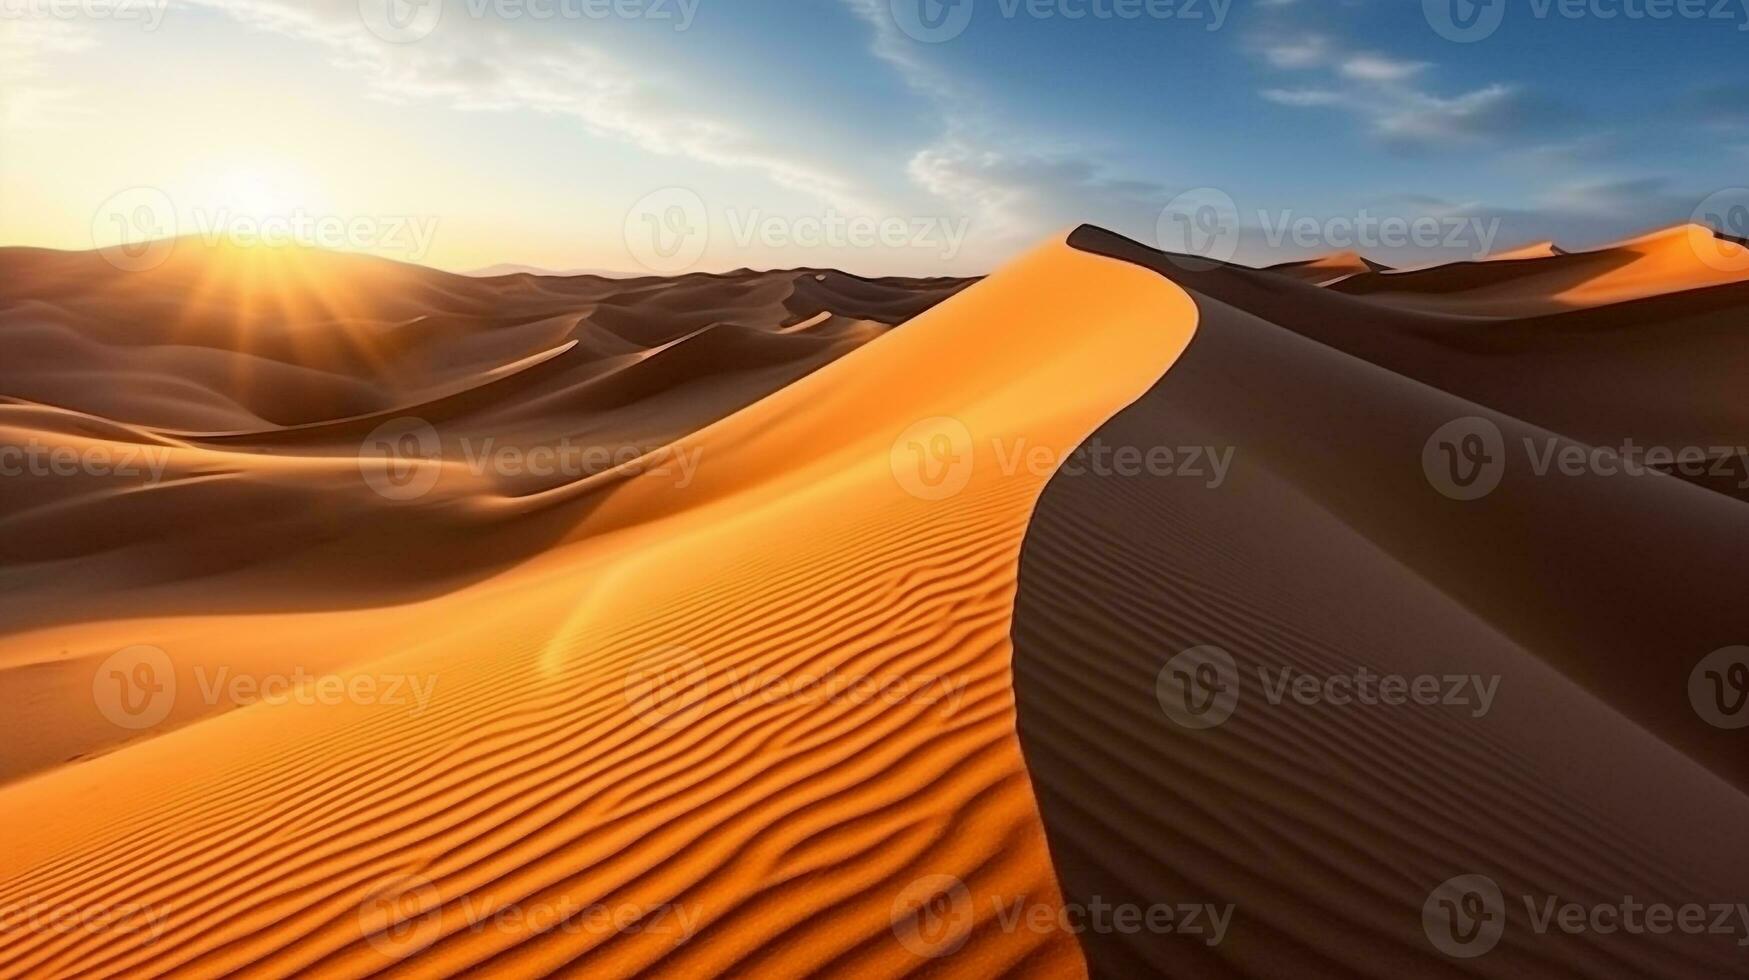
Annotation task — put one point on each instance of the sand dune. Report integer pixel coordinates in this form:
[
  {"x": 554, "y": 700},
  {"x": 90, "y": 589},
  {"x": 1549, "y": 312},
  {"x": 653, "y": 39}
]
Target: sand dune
[
  {"x": 646, "y": 716},
  {"x": 239, "y": 386},
  {"x": 1326, "y": 825},
  {"x": 1326, "y": 269},
  {"x": 821, "y": 659},
  {"x": 1534, "y": 250},
  {"x": 1674, "y": 260}
]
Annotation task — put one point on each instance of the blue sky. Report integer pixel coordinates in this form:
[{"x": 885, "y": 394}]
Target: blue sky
[{"x": 546, "y": 131}]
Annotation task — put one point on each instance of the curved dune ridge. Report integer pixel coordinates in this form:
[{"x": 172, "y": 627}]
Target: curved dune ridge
[
  {"x": 1673, "y": 260},
  {"x": 1328, "y": 826},
  {"x": 1326, "y": 269},
  {"x": 762, "y": 723}
]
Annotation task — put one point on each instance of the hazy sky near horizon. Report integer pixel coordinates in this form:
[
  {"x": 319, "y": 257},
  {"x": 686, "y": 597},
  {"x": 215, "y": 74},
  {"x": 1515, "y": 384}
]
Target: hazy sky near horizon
[{"x": 878, "y": 136}]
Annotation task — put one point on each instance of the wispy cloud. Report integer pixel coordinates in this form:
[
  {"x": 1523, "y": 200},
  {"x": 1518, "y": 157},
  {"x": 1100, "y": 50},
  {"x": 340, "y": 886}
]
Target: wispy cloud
[
  {"x": 1378, "y": 68},
  {"x": 1390, "y": 96},
  {"x": 1013, "y": 192},
  {"x": 486, "y": 68}
]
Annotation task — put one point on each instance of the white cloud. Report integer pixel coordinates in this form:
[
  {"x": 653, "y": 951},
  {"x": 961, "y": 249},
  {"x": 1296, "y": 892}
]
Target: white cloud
[
  {"x": 1305, "y": 52},
  {"x": 1377, "y": 68},
  {"x": 1303, "y": 97}
]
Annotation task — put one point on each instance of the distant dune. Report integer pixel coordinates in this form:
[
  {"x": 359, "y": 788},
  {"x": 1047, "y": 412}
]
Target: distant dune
[
  {"x": 1327, "y": 269},
  {"x": 1535, "y": 250},
  {"x": 798, "y": 623},
  {"x": 515, "y": 269},
  {"x": 1674, "y": 260}
]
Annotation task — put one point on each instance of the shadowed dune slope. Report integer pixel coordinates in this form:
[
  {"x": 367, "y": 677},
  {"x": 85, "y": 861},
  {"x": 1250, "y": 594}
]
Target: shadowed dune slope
[
  {"x": 1663, "y": 370},
  {"x": 1584, "y": 603},
  {"x": 766, "y": 714}
]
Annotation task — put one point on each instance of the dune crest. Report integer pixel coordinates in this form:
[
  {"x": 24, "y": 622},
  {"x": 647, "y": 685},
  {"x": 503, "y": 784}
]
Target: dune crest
[
  {"x": 1671, "y": 261},
  {"x": 648, "y": 717},
  {"x": 1326, "y": 269},
  {"x": 1328, "y": 822},
  {"x": 1535, "y": 250}
]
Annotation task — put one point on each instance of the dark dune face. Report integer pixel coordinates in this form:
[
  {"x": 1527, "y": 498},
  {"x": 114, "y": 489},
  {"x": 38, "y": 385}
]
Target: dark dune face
[{"x": 1196, "y": 646}]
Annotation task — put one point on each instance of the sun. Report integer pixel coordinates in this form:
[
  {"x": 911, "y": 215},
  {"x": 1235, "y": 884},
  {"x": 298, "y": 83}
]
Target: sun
[
  {"x": 258, "y": 193},
  {"x": 254, "y": 188}
]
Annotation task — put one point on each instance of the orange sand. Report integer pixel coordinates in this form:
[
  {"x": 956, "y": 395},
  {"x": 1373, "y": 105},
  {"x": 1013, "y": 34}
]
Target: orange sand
[{"x": 625, "y": 720}]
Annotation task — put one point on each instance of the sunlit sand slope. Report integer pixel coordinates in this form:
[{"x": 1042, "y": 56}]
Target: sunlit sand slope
[
  {"x": 219, "y": 434},
  {"x": 761, "y": 724}
]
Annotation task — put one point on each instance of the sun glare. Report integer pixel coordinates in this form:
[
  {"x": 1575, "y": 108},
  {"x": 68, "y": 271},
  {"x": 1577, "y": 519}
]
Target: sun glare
[{"x": 259, "y": 193}]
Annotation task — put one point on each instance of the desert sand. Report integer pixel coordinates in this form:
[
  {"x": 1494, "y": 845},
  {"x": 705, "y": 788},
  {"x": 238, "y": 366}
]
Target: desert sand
[
  {"x": 639, "y": 717},
  {"x": 1671, "y": 260},
  {"x": 1588, "y": 601},
  {"x": 820, "y": 660}
]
